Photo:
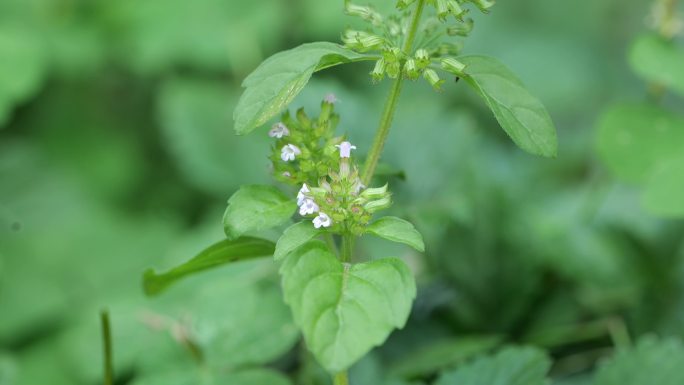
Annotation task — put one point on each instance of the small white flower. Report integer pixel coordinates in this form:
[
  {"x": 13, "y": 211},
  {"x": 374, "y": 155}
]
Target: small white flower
[
  {"x": 331, "y": 98},
  {"x": 287, "y": 174},
  {"x": 322, "y": 220},
  {"x": 279, "y": 130},
  {"x": 345, "y": 149},
  {"x": 289, "y": 152},
  {"x": 308, "y": 207},
  {"x": 301, "y": 195}
]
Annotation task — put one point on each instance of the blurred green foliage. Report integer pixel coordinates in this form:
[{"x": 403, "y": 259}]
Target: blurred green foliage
[{"x": 117, "y": 154}]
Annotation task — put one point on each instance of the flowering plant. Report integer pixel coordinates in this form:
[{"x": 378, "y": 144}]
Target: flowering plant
[{"x": 345, "y": 305}]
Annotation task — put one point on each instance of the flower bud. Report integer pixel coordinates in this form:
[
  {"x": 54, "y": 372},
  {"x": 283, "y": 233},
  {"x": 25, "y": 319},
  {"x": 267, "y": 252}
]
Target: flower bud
[
  {"x": 411, "y": 70},
  {"x": 461, "y": 29},
  {"x": 431, "y": 76},
  {"x": 362, "y": 41},
  {"x": 402, "y": 4},
  {"x": 422, "y": 58},
  {"x": 379, "y": 204},
  {"x": 393, "y": 69},
  {"x": 455, "y": 9},
  {"x": 374, "y": 192},
  {"x": 449, "y": 49},
  {"x": 366, "y": 13},
  {"x": 483, "y": 5},
  {"x": 454, "y": 66},
  {"x": 442, "y": 9},
  {"x": 378, "y": 72}
]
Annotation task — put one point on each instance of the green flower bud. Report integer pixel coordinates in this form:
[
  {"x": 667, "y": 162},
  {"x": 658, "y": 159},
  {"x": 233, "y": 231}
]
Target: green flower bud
[
  {"x": 454, "y": 66},
  {"x": 374, "y": 192},
  {"x": 483, "y": 5},
  {"x": 362, "y": 41},
  {"x": 442, "y": 9},
  {"x": 402, "y": 4},
  {"x": 378, "y": 72},
  {"x": 448, "y": 49},
  {"x": 422, "y": 58},
  {"x": 366, "y": 13},
  {"x": 461, "y": 29},
  {"x": 455, "y": 9},
  {"x": 411, "y": 70},
  {"x": 431, "y": 76},
  {"x": 393, "y": 69},
  {"x": 379, "y": 204}
]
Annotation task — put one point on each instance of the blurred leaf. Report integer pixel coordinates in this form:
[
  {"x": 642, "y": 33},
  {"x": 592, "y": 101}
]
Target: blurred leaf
[
  {"x": 21, "y": 69},
  {"x": 8, "y": 369},
  {"x": 658, "y": 60},
  {"x": 256, "y": 207},
  {"x": 345, "y": 310},
  {"x": 194, "y": 119},
  {"x": 442, "y": 354},
  {"x": 397, "y": 230},
  {"x": 664, "y": 191},
  {"x": 293, "y": 237},
  {"x": 278, "y": 80},
  {"x": 384, "y": 170},
  {"x": 241, "y": 377},
  {"x": 221, "y": 253},
  {"x": 635, "y": 139},
  {"x": 652, "y": 361},
  {"x": 521, "y": 115},
  {"x": 511, "y": 366},
  {"x": 159, "y": 34}
]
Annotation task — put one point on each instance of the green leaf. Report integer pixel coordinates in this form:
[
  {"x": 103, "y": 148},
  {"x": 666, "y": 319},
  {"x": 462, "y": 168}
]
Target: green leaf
[
  {"x": 293, "y": 237},
  {"x": 225, "y": 251},
  {"x": 658, "y": 60},
  {"x": 442, "y": 354},
  {"x": 397, "y": 230},
  {"x": 276, "y": 82},
  {"x": 511, "y": 366},
  {"x": 664, "y": 191},
  {"x": 520, "y": 114},
  {"x": 345, "y": 310},
  {"x": 256, "y": 207},
  {"x": 257, "y": 376},
  {"x": 650, "y": 362},
  {"x": 633, "y": 140}
]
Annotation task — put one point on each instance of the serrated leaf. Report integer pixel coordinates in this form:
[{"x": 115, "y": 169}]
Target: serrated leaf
[
  {"x": 665, "y": 188},
  {"x": 345, "y": 310},
  {"x": 293, "y": 237},
  {"x": 256, "y": 207},
  {"x": 633, "y": 140},
  {"x": 397, "y": 230},
  {"x": 276, "y": 82},
  {"x": 225, "y": 251},
  {"x": 650, "y": 362},
  {"x": 521, "y": 115},
  {"x": 658, "y": 60},
  {"x": 511, "y": 366}
]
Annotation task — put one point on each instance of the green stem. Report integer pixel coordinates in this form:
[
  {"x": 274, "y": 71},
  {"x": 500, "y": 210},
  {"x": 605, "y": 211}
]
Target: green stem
[
  {"x": 341, "y": 378},
  {"x": 107, "y": 347},
  {"x": 390, "y": 104},
  {"x": 347, "y": 248}
]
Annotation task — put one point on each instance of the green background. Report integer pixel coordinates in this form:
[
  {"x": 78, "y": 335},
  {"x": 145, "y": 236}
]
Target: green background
[{"x": 117, "y": 154}]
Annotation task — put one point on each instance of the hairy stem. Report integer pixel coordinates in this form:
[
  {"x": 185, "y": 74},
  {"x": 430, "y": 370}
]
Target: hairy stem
[
  {"x": 341, "y": 378},
  {"x": 391, "y": 103},
  {"x": 107, "y": 348}
]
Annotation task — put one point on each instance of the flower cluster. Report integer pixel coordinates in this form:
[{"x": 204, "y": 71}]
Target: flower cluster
[
  {"x": 386, "y": 35},
  {"x": 304, "y": 147},
  {"x": 341, "y": 202},
  {"x": 306, "y": 153}
]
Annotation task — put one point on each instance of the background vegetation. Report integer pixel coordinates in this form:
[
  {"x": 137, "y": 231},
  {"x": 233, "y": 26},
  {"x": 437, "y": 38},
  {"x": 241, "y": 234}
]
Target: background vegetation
[{"x": 117, "y": 154}]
